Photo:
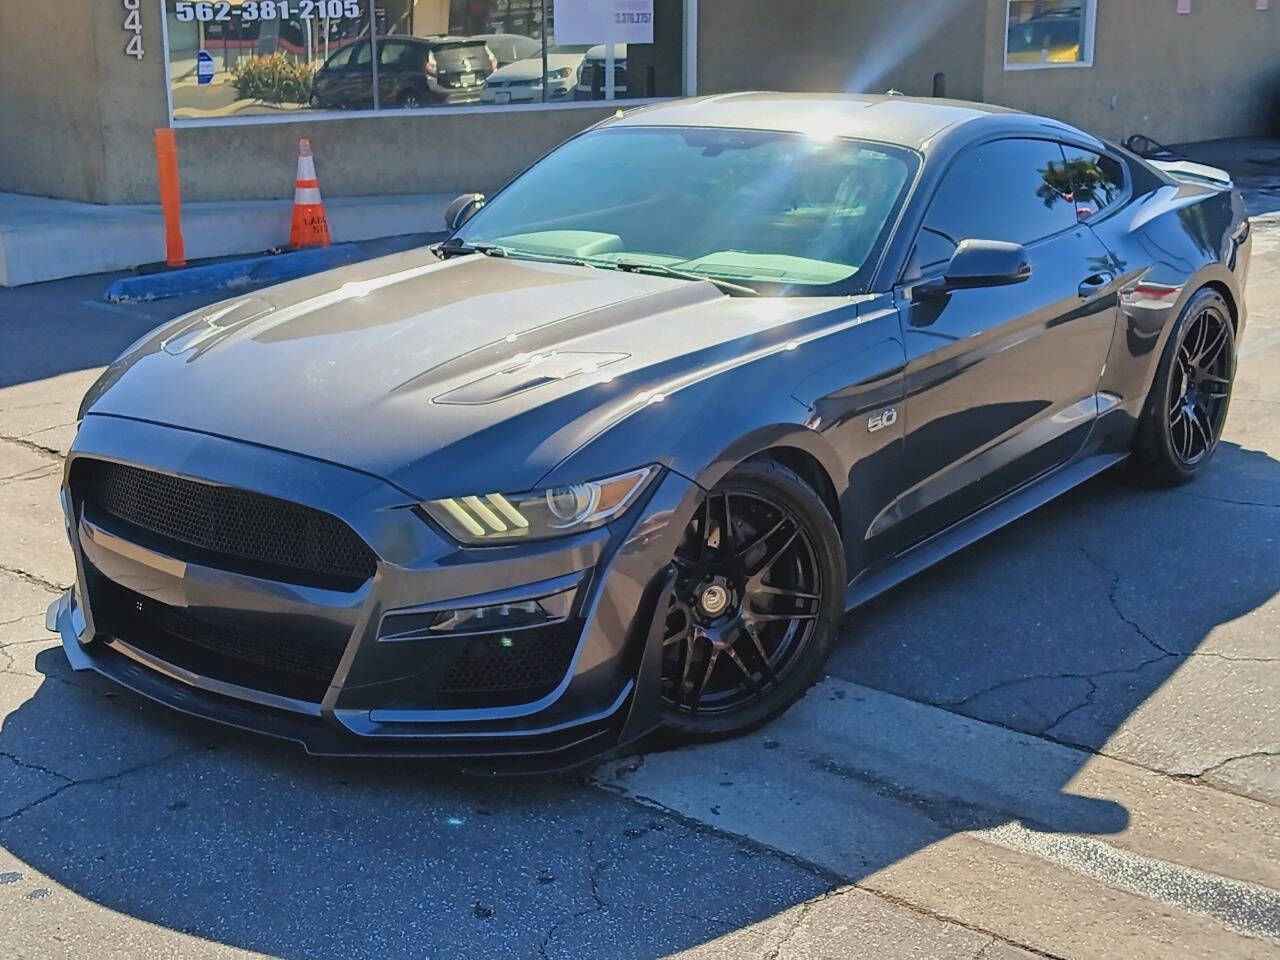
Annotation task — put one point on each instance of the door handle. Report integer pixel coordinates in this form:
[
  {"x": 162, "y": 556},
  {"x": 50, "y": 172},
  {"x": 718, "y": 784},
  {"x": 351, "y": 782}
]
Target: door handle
[{"x": 1092, "y": 285}]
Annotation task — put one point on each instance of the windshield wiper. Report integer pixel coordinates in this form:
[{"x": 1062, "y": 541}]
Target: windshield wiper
[
  {"x": 662, "y": 270},
  {"x": 512, "y": 253},
  {"x": 452, "y": 248}
]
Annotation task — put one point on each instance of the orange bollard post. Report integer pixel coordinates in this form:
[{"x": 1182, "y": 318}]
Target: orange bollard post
[{"x": 170, "y": 196}]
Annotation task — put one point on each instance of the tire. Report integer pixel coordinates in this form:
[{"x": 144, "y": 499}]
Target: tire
[
  {"x": 410, "y": 100},
  {"x": 1182, "y": 421},
  {"x": 727, "y": 670}
]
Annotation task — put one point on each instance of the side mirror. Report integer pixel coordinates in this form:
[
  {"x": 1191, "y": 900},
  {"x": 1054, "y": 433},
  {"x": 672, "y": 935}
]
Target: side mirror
[
  {"x": 462, "y": 210},
  {"x": 981, "y": 263}
]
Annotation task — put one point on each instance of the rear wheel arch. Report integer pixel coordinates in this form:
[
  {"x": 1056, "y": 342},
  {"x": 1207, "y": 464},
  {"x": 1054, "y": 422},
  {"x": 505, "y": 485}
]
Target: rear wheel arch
[{"x": 1225, "y": 292}]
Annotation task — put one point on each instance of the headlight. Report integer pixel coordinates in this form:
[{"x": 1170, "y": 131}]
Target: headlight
[
  {"x": 564, "y": 73},
  {"x": 554, "y": 512}
]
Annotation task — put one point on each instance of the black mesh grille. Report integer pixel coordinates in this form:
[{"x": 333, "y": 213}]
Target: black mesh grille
[
  {"x": 528, "y": 661},
  {"x": 292, "y": 659},
  {"x": 595, "y": 75},
  {"x": 249, "y": 532}
]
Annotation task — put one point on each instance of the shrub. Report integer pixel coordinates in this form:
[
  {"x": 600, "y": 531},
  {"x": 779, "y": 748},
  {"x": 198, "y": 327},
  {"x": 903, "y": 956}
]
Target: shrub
[{"x": 278, "y": 79}]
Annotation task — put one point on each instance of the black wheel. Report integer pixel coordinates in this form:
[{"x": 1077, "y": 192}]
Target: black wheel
[
  {"x": 1187, "y": 408},
  {"x": 410, "y": 100},
  {"x": 758, "y": 597}
]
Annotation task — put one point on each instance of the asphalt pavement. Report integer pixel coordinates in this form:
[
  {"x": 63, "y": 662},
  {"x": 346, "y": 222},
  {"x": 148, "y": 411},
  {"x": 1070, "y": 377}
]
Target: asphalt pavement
[{"x": 1063, "y": 742}]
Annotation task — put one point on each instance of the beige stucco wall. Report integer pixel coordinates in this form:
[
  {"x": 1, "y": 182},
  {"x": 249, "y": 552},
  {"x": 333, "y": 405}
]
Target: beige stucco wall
[
  {"x": 864, "y": 46},
  {"x": 76, "y": 115},
  {"x": 1176, "y": 77},
  {"x": 77, "y": 120},
  {"x": 50, "y": 139},
  {"x": 379, "y": 154}
]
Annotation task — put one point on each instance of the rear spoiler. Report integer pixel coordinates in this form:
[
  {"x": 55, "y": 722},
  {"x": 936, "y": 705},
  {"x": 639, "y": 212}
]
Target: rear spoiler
[{"x": 1189, "y": 172}]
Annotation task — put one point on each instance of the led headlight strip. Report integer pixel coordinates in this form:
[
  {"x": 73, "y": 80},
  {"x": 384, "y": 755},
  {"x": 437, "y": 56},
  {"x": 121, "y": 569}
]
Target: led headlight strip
[
  {"x": 540, "y": 514},
  {"x": 481, "y": 519}
]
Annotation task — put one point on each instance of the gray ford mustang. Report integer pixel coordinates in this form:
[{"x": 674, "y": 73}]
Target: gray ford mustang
[{"x": 619, "y": 454}]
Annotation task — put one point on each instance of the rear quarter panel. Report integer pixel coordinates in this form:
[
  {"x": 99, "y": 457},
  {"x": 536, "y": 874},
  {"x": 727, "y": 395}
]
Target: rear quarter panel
[{"x": 1166, "y": 245}]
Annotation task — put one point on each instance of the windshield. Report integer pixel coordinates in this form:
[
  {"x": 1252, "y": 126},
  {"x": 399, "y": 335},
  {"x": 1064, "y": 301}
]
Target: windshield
[
  {"x": 784, "y": 213},
  {"x": 462, "y": 56}
]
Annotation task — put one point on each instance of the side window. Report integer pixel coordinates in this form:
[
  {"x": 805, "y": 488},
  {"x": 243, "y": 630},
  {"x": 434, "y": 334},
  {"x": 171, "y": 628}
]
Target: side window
[
  {"x": 1097, "y": 181},
  {"x": 1012, "y": 190},
  {"x": 364, "y": 55},
  {"x": 390, "y": 53},
  {"x": 339, "y": 59}
]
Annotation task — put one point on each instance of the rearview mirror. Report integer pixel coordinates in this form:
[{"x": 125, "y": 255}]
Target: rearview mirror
[
  {"x": 462, "y": 210},
  {"x": 981, "y": 263}
]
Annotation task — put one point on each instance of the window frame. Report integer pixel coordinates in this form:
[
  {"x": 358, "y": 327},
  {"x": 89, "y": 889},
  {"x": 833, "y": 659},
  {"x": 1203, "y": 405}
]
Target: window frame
[
  {"x": 689, "y": 88},
  {"x": 1125, "y": 195},
  {"x": 1090, "y": 8},
  {"x": 938, "y": 268}
]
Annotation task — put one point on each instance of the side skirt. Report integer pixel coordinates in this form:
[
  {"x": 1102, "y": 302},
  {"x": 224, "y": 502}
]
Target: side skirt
[{"x": 872, "y": 583}]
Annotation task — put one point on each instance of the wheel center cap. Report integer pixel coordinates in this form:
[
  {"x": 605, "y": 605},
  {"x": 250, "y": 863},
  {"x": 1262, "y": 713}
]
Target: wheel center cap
[{"x": 714, "y": 600}]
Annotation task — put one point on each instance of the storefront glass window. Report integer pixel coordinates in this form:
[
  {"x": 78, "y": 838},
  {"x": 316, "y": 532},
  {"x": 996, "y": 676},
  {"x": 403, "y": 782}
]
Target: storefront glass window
[
  {"x": 253, "y": 58},
  {"x": 1050, "y": 33}
]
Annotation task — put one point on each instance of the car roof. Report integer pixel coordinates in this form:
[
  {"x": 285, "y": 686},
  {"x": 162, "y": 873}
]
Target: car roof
[
  {"x": 909, "y": 121},
  {"x": 436, "y": 40}
]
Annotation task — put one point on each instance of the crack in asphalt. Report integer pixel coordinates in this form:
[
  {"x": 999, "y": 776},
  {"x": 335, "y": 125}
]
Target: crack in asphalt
[
  {"x": 1254, "y": 755},
  {"x": 596, "y": 868},
  {"x": 92, "y": 781},
  {"x": 806, "y": 908},
  {"x": 27, "y": 764},
  {"x": 1092, "y": 677},
  {"x": 32, "y": 578},
  {"x": 1115, "y": 603},
  {"x": 34, "y": 447},
  {"x": 35, "y": 473},
  {"x": 1239, "y": 503}
]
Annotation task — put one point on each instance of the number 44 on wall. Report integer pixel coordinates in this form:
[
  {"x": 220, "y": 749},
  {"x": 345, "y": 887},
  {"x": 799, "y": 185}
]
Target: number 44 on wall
[{"x": 133, "y": 27}]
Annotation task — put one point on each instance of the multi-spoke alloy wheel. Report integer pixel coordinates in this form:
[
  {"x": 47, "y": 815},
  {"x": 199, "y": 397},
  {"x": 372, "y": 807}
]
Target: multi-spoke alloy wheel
[
  {"x": 1192, "y": 391},
  {"x": 1202, "y": 386},
  {"x": 751, "y": 615}
]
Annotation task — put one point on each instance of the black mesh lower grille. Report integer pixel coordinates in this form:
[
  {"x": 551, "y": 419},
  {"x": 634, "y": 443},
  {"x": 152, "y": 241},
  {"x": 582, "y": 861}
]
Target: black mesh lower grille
[
  {"x": 291, "y": 658},
  {"x": 228, "y": 527},
  {"x": 532, "y": 662}
]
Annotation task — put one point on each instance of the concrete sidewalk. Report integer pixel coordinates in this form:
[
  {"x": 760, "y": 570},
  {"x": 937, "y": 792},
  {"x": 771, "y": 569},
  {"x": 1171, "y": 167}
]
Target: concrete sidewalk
[{"x": 43, "y": 239}]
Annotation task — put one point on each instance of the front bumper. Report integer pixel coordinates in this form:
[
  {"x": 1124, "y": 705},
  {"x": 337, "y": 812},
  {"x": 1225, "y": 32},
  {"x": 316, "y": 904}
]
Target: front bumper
[{"x": 380, "y": 700}]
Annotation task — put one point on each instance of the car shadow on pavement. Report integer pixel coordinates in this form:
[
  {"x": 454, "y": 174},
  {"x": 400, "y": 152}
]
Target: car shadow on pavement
[{"x": 1066, "y": 625}]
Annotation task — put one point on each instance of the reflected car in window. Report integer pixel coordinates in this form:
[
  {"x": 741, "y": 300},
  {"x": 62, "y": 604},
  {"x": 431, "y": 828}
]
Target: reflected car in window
[
  {"x": 522, "y": 82},
  {"x": 593, "y": 77},
  {"x": 412, "y": 72},
  {"x": 619, "y": 453},
  {"x": 508, "y": 48},
  {"x": 1050, "y": 38}
]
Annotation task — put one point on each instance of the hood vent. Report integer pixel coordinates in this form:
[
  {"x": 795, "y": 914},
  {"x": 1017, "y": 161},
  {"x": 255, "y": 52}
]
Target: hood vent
[{"x": 526, "y": 372}]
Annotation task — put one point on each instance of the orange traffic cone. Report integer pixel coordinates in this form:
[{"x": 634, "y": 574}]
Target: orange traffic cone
[{"x": 310, "y": 226}]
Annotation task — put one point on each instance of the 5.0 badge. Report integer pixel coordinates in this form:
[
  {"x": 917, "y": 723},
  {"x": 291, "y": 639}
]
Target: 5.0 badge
[{"x": 881, "y": 420}]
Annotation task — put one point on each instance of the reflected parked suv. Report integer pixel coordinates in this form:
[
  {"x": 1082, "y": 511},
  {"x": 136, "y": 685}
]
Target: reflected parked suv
[
  {"x": 412, "y": 72},
  {"x": 592, "y": 76}
]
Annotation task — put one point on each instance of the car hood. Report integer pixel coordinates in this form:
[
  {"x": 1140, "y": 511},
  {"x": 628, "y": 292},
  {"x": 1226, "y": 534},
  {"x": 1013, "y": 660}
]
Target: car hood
[
  {"x": 532, "y": 69},
  {"x": 441, "y": 376}
]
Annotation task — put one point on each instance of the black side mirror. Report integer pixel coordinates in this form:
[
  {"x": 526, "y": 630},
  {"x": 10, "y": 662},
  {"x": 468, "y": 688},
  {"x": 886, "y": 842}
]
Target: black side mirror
[
  {"x": 462, "y": 210},
  {"x": 981, "y": 263}
]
